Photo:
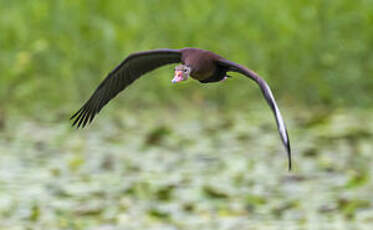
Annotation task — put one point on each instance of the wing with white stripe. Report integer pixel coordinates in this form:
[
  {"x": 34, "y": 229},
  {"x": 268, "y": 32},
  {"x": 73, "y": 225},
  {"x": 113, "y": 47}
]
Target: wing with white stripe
[{"x": 267, "y": 93}]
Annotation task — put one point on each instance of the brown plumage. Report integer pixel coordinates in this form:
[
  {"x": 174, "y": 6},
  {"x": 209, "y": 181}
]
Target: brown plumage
[{"x": 202, "y": 65}]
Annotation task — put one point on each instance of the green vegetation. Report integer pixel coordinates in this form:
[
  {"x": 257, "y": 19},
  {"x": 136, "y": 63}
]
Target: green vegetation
[
  {"x": 186, "y": 156},
  {"x": 54, "y": 53}
]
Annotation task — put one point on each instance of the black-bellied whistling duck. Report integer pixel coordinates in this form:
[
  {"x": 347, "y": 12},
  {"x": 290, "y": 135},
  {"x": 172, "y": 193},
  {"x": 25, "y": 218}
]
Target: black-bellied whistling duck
[{"x": 202, "y": 65}]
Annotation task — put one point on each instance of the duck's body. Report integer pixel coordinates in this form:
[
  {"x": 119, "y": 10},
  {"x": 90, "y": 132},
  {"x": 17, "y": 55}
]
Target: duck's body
[{"x": 202, "y": 63}]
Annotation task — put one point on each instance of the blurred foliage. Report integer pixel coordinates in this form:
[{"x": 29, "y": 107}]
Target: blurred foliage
[
  {"x": 54, "y": 53},
  {"x": 55, "y": 177}
]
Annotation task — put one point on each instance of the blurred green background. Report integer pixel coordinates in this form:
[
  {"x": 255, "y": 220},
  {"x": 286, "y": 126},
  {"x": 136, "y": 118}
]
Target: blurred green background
[{"x": 185, "y": 156}]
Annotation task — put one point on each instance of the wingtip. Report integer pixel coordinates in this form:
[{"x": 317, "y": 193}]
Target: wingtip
[
  {"x": 76, "y": 117},
  {"x": 81, "y": 119},
  {"x": 288, "y": 149}
]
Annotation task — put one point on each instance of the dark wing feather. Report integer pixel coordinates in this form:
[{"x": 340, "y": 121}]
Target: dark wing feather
[
  {"x": 231, "y": 66},
  {"x": 134, "y": 66}
]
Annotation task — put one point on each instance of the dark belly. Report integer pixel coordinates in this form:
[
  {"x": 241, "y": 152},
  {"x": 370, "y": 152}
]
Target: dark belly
[{"x": 202, "y": 75}]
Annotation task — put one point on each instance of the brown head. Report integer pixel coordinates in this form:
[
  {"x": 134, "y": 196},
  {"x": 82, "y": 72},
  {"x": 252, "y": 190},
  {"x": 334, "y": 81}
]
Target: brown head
[{"x": 182, "y": 73}]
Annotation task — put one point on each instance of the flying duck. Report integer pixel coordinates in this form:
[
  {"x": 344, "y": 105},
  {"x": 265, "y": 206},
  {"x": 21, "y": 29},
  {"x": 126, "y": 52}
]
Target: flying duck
[{"x": 202, "y": 65}]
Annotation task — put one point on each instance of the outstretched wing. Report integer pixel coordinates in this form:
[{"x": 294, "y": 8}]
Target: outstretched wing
[
  {"x": 134, "y": 66},
  {"x": 231, "y": 66}
]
